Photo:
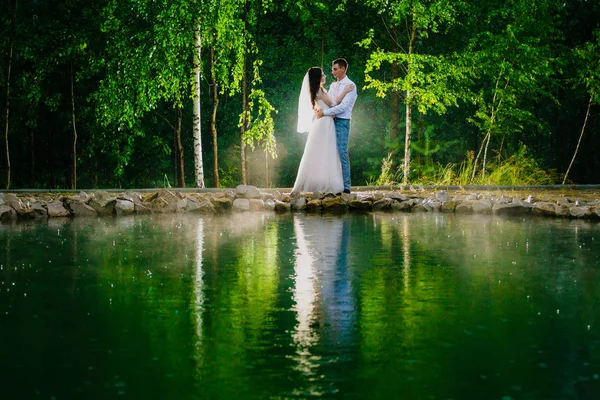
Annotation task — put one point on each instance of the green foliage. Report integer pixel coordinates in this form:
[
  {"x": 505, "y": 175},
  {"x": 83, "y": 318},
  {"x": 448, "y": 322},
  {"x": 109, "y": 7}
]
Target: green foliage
[
  {"x": 521, "y": 70},
  {"x": 518, "y": 169}
]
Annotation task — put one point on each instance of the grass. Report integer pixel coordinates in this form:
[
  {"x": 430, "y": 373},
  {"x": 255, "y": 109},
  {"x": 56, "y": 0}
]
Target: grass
[{"x": 516, "y": 170}]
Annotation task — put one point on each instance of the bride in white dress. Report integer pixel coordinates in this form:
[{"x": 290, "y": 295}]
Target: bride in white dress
[{"x": 320, "y": 168}]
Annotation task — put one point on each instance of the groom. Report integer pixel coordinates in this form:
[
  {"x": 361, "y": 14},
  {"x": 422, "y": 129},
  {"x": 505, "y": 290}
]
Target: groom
[{"x": 342, "y": 113}]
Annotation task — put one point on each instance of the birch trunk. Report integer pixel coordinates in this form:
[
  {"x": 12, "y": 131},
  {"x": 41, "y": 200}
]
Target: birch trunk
[
  {"x": 408, "y": 110},
  {"x": 587, "y": 114},
  {"x": 197, "y": 129},
  {"x": 180, "y": 161},
  {"x": 7, "y": 110},
  {"x": 244, "y": 124},
  {"x": 74, "y": 175},
  {"x": 213, "y": 119},
  {"x": 395, "y": 101}
]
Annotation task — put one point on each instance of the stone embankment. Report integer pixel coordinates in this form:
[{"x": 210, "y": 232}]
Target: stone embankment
[{"x": 15, "y": 206}]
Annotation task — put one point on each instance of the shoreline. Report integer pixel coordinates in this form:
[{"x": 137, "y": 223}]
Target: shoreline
[{"x": 569, "y": 201}]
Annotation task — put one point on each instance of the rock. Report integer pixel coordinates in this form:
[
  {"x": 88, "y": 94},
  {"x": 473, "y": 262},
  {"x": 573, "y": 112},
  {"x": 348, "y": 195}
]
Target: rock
[
  {"x": 316, "y": 195},
  {"x": 270, "y": 204},
  {"x": 374, "y": 197},
  {"x": 103, "y": 202},
  {"x": 7, "y": 213},
  {"x": 222, "y": 203},
  {"x": 299, "y": 203},
  {"x": 544, "y": 208},
  {"x": 57, "y": 209},
  {"x": 334, "y": 205},
  {"x": 402, "y": 205},
  {"x": 247, "y": 192},
  {"x": 23, "y": 210},
  {"x": 181, "y": 205},
  {"x": 80, "y": 209},
  {"x": 141, "y": 209},
  {"x": 579, "y": 212},
  {"x": 464, "y": 207},
  {"x": 448, "y": 206},
  {"x": 385, "y": 204},
  {"x": 314, "y": 206},
  {"x": 514, "y": 208},
  {"x": 396, "y": 196},
  {"x": 161, "y": 205},
  {"x": 360, "y": 205},
  {"x": 442, "y": 196},
  {"x": 241, "y": 205},
  {"x": 2, "y": 199},
  {"x": 124, "y": 207},
  {"x": 482, "y": 207},
  {"x": 84, "y": 197},
  {"x": 267, "y": 196},
  {"x": 562, "y": 210},
  {"x": 40, "y": 210},
  {"x": 257, "y": 205},
  {"x": 429, "y": 205},
  {"x": 474, "y": 196},
  {"x": 194, "y": 204},
  {"x": 281, "y": 206}
]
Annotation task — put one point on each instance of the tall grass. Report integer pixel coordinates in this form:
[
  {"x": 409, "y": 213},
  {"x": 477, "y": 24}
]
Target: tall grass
[{"x": 518, "y": 169}]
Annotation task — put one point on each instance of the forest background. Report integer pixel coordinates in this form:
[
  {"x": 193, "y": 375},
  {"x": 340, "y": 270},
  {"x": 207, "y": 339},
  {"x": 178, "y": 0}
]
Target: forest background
[{"x": 161, "y": 93}]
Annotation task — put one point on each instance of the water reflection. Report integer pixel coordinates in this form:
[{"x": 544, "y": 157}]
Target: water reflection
[
  {"x": 279, "y": 306},
  {"x": 324, "y": 304}
]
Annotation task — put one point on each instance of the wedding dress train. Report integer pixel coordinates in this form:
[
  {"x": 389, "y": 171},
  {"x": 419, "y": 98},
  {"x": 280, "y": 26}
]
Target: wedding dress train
[{"x": 320, "y": 168}]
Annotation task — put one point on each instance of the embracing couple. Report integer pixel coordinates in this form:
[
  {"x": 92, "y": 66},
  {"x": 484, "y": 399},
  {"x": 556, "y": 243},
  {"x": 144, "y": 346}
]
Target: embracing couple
[{"x": 325, "y": 166}]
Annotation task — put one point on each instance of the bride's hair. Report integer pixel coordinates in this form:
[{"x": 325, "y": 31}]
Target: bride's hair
[{"x": 314, "y": 81}]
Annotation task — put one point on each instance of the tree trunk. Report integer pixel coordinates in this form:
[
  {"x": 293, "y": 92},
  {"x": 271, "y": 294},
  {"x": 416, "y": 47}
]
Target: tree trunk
[
  {"x": 74, "y": 174},
  {"x": 267, "y": 169},
  {"x": 587, "y": 114},
  {"x": 31, "y": 159},
  {"x": 408, "y": 111},
  {"x": 180, "y": 161},
  {"x": 244, "y": 122},
  {"x": 395, "y": 100},
  {"x": 213, "y": 119},
  {"x": 198, "y": 165},
  {"x": 487, "y": 137},
  {"x": 322, "y": 46},
  {"x": 7, "y": 110}
]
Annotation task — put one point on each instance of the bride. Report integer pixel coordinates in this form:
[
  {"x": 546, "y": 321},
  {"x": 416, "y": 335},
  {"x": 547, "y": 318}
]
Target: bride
[{"x": 320, "y": 168}]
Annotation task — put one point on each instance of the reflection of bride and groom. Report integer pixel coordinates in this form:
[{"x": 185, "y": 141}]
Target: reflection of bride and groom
[
  {"x": 324, "y": 304},
  {"x": 325, "y": 165}
]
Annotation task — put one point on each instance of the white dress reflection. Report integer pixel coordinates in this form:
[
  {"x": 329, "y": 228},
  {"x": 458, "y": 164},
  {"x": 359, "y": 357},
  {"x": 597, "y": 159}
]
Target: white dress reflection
[{"x": 321, "y": 292}]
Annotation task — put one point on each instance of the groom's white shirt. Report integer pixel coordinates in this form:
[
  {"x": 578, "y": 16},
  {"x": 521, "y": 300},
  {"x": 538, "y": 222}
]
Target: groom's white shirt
[{"x": 344, "y": 109}]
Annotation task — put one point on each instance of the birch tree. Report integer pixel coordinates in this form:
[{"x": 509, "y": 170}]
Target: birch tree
[{"x": 423, "y": 79}]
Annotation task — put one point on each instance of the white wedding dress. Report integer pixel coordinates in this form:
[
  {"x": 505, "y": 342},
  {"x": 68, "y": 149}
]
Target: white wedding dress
[{"x": 320, "y": 168}]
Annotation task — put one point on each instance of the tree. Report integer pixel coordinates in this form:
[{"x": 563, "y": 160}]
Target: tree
[
  {"x": 588, "y": 55},
  {"x": 425, "y": 78},
  {"x": 513, "y": 64},
  {"x": 150, "y": 45},
  {"x": 7, "y": 107}
]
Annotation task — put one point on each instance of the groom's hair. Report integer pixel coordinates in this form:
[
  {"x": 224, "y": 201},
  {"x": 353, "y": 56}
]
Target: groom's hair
[{"x": 341, "y": 62}]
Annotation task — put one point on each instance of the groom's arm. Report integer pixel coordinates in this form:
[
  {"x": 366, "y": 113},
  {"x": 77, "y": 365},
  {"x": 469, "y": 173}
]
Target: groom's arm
[{"x": 346, "y": 103}]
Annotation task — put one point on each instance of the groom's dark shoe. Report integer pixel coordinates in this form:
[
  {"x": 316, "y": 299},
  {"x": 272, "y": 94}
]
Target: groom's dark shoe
[{"x": 347, "y": 191}]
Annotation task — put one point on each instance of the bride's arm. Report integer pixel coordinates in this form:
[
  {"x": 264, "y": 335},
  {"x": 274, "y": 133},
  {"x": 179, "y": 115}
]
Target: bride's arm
[
  {"x": 323, "y": 95},
  {"x": 347, "y": 89}
]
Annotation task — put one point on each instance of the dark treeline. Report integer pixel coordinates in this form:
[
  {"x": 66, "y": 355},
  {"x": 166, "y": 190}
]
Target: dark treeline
[{"x": 104, "y": 93}]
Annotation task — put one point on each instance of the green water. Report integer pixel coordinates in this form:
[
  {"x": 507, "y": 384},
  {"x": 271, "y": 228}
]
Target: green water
[{"x": 264, "y": 306}]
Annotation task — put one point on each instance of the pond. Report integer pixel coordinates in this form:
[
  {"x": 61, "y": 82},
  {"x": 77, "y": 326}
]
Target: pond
[{"x": 273, "y": 306}]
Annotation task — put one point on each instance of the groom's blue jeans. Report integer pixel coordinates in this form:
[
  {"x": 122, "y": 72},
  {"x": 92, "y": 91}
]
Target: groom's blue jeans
[{"x": 342, "y": 133}]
